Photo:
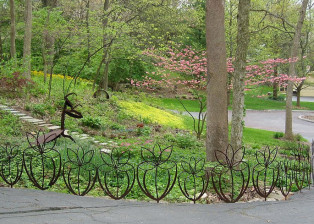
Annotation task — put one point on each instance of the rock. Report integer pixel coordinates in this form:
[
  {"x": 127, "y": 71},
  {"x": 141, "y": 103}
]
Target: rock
[
  {"x": 204, "y": 196},
  {"x": 54, "y": 127},
  {"x": 106, "y": 150}
]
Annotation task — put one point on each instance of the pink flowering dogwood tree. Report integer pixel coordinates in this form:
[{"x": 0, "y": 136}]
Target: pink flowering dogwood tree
[{"x": 191, "y": 68}]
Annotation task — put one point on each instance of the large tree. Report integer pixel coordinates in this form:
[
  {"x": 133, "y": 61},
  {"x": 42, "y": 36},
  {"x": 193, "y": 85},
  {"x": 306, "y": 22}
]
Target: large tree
[
  {"x": 27, "y": 39},
  {"x": 292, "y": 69},
  {"x": 243, "y": 37},
  {"x": 13, "y": 30},
  {"x": 217, "y": 110}
]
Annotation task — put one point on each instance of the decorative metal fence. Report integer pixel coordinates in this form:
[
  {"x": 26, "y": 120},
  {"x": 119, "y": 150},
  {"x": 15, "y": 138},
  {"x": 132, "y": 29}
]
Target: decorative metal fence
[{"x": 156, "y": 173}]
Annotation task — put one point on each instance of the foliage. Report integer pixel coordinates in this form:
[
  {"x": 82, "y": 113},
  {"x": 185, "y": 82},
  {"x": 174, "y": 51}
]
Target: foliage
[{"x": 92, "y": 122}]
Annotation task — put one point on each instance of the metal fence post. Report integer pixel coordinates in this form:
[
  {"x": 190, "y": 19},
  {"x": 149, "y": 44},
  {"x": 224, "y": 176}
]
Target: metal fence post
[{"x": 312, "y": 162}]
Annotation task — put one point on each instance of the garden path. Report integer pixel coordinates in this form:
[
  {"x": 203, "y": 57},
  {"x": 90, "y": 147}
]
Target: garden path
[{"x": 44, "y": 124}]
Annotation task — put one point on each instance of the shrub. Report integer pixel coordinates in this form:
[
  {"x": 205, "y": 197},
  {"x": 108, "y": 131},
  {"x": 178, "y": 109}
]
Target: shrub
[
  {"x": 116, "y": 126},
  {"x": 185, "y": 141},
  {"x": 278, "y": 135},
  {"x": 14, "y": 82},
  {"x": 145, "y": 131},
  {"x": 92, "y": 122},
  {"x": 42, "y": 109}
]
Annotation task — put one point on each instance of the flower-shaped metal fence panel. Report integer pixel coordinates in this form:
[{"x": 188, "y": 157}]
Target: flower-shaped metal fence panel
[
  {"x": 231, "y": 177},
  {"x": 116, "y": 175},
  {"x": 157, "y": 174},
  {"x": 11, "y": 164},
  {"x": 79, "y": 172},
  {"x": 302, "y": 166},
  {"x": 286, "y": 178},
  {"x": 41, "y": 161},
  {"x": 264, "y": 170},
  {"x": 193, "y": 179}
]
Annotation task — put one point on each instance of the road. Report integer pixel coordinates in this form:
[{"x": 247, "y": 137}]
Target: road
[
  {"x": 274, "y": 120},
  {"x": 37, "y": 207}
]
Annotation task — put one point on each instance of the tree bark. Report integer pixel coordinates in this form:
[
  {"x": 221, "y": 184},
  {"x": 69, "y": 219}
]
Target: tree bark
[
  {"x": 275, "y": 84},
  {"x": 217, "y": 109},
  {"x": 292, "y": 70},
  {"x": 49, "y": 40},
  {"x": 13, "y": 30},
  {"x": 243, "y": 37},
  {"x": 27, "y": 39},
  {"x": 104, "y": 83},
  {"x": 1, "y": 49},
  {"x": 299, "y": 88}
]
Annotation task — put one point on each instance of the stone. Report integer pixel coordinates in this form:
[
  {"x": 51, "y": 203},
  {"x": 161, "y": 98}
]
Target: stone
[
  {"x": 7, "y": 109},
  {"x": 96, "y": 142},
  {"x": 104, "y": 143},
  {"x": 20, "y": 114},
  {"x": 82, "y": 138},
  {"x": 33, "y": 120},
  {"x": 54, "y": 127},
  {"x": 14, "y": 111},
  {"x": 106, "y": 150},
  {"x": 3, "y": 106},
  {"x": 27, "y": 117},
  {"x": 44, "y": 125},
  {"x": 84, "y": 135}
]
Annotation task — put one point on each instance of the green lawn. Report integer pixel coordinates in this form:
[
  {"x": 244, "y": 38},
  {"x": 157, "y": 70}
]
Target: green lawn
[{"x": 252, "y": 101}]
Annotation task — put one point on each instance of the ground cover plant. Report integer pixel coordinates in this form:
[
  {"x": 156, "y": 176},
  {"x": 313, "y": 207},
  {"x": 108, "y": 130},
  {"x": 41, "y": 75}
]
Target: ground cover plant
[{"x": 126, "y": 123}]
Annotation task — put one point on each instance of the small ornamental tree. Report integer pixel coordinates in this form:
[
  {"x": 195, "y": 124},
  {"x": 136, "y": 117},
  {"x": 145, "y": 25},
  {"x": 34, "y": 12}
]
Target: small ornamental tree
[{"x": 190, "y": 67}]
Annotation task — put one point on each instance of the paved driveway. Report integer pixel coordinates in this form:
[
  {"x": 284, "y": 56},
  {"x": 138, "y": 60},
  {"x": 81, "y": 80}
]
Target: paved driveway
[
  {"x": 27, "y": 206},
  {"x": 274, "y": 120}
]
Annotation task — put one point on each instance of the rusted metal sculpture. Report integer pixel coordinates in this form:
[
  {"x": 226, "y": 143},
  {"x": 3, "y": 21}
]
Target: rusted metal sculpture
[
  {"x": 79, "y": 172},
  {"x": 41, "y": 161},
  {"x": 68, "y": 109},
  {"x": 286, "y": 178},
  {"x": 156, "y": 165},
  {"x": 100, "y": 92},
  {"x": 11, "y": 164},
  {"x": 193, "y": 174},
  {"x": 116, "y": 176},
  {"x": 265, "y": 169},
  {"x": 301, "y": 166},
  {"x": 224, "y": 174}
]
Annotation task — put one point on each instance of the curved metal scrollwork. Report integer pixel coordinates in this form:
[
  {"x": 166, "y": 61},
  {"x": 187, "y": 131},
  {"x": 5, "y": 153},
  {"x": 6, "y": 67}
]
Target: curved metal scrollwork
[
  {"x": 193, "y": 180},
  {"x": 265, "y": 169},
  {"x": 41, "y": 161},
  {"x": 79, "y": 173},
  {"x": 224, "y": 174},
  {"x": 156, "y": 165},
  {"x": 286, "y": 178},
  {"x": 11, "y": 164},
  {"x": 117, "y": 176}
]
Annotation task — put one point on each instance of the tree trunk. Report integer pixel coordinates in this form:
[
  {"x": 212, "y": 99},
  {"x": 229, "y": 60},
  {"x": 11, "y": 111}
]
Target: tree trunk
[
  {"x": 299, "y": 88},
  {"x": 275, "y": 84},
  {"x": 292, "y": 72},
  {"x": 49, "y": 40},
  {"x": 217, "y": 109},
  {"x": 27, "y": 39},
  {"x": 88, "y": 31},
  {"x": 13, "y": 30},
  {"x": 243, "y": 37},
  {"x": 1, "y": 49},
  {"x": 104, "y": 83}
]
